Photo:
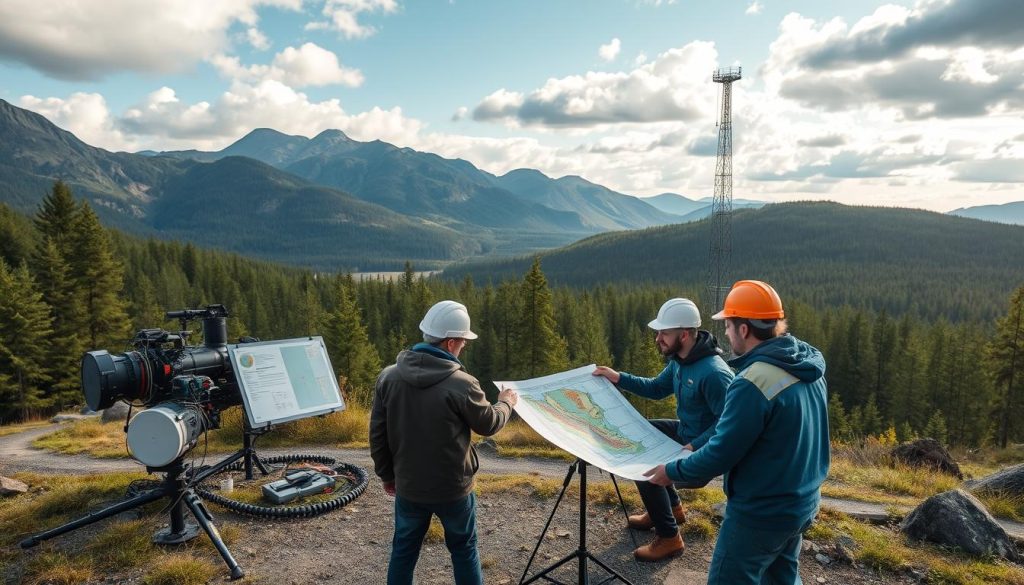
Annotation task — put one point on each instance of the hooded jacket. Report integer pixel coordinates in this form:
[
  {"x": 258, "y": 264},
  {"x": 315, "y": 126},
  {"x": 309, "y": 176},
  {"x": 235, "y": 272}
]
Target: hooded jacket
[
  {"x": 698, "y": 381},
  {"x": 424, "y": 407},
  {"x": 772, "y": 440}
]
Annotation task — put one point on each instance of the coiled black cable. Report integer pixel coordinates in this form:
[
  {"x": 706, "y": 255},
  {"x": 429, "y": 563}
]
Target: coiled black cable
[{"x": 341, "y": 498}]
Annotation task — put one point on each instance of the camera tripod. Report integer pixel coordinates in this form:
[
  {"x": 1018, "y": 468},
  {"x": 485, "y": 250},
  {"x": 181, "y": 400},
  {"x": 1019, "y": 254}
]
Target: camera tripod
[
  {"x": 176, "y": 486},
  {"x": 581, "y": 553}
]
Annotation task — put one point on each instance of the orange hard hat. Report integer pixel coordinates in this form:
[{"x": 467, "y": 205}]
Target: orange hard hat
[{"x": 751, "y": 299}]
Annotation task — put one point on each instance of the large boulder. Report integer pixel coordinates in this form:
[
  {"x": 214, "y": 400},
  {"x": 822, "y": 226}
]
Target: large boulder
[
  {"x": 1009, "y": 481},
  {"x": 927, "y": 453},
  {"x": 956, "y": 518},
  {"x": 117, "y": 411}
]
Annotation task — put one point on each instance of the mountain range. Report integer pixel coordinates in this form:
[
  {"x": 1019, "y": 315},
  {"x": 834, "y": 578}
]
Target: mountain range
[
  {"x": 1005, "y": 213},
  {"x": 328, "y": 202}
]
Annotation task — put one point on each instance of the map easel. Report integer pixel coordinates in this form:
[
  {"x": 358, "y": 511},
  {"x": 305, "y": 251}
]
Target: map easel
[{"x": 581, "y": 554}]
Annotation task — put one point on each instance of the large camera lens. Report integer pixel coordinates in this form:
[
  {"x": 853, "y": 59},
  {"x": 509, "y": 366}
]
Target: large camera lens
[{"x": 106, "y": 378}]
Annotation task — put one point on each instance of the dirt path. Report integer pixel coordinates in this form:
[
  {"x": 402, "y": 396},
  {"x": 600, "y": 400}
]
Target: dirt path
[{"x": 352, "y": 545}]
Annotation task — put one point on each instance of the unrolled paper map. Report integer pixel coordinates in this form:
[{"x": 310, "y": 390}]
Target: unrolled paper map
[{"x": 588, "y": 417}]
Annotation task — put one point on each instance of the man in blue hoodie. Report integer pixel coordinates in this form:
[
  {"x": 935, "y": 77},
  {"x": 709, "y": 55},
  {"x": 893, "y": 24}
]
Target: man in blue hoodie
[
  {"x": 697, "y": 376},
  {"x": 771, "y": 443}
]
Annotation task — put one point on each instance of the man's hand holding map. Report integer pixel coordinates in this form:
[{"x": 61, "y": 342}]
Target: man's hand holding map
[{"x": 588, "y": 417}]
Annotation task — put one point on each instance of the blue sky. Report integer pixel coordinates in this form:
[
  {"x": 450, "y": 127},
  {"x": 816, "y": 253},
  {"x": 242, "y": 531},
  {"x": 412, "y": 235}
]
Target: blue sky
[{"x": 863, "y": 102}]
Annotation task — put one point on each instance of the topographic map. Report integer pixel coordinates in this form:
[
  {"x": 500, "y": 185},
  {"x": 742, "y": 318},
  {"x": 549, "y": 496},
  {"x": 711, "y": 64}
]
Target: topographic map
[{"x": 588, "y": 417}]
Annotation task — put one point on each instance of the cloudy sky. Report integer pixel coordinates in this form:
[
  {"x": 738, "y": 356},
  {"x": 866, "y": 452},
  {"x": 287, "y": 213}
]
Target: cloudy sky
[{"x": 917, "y": 104}]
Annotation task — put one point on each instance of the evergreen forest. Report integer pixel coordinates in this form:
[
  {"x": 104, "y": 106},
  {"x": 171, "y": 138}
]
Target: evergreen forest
[{"x": 68, "y": 285}]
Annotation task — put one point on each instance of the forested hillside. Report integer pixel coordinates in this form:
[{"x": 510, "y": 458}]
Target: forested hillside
[
  {"x": 67, "y": 285},
  {"x": 230, "y": 204},
  {"x": 902, "y": 261}
]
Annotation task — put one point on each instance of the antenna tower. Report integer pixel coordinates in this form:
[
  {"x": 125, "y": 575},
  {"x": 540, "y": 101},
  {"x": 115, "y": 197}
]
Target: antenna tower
[{"x": 720, "y": 249}]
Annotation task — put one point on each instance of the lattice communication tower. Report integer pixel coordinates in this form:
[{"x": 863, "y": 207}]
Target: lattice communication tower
[{"x": 720, "y": 249}]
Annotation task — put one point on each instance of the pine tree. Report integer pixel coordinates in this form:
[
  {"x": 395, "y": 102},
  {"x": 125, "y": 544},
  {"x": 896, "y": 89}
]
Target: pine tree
[
  {"x": 905, "y": 432},
  {"x": 98, "y": 276},
  {"x": 541, "y": 350},
  {"x": 24, "y": 332},
  {"x": 838, "y": 423},
  {"x": 16, "y": 236},
  {"x": 871, "y": 419},
  {"x": 588, "y": 342},
  {"x": 503, "y": 317},
  {"x": 354, "y": 358},
  {"x": 56, "y": 217},
  {"x": 1006, "y": 356},
  {"x": 64, "y": 351},
  {"x": 936, "y": 427}
]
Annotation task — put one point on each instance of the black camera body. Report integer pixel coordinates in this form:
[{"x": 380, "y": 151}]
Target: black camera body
[{"x": 161, "y": 367}]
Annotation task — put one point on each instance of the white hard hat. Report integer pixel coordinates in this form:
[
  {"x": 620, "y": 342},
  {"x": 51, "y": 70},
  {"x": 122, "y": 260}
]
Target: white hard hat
[
  {"x": 676, "y": 313},
  {"x": 447, "y": 319}
]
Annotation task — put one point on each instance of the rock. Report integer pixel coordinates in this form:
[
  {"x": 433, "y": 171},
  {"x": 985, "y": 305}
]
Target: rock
[
  {"x": 956, "y": 518},
  {"x": 59, "y": 418},
  {"x": 117, "y": 411},
  {"x": 1009, "y": 481},
  {"x": 823, "y": 559},
  {"x": 845, "y": 548},
  {"x": 86, "y": 410},
  {"x": 927, "y": 453},
  {"x": 487, "y": 446},
  {"x": 10, "y": 487}
]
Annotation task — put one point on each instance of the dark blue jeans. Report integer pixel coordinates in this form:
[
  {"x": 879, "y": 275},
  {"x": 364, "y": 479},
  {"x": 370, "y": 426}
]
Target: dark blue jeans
[
  {"x": 660, "y": 500},
  {"x": 749, "y": 556},
  {"x": 411, "y": 523}
]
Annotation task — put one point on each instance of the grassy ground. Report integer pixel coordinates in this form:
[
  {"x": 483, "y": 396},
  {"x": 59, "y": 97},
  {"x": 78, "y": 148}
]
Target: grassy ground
[
  {"x": 865, "y": 472},
  {"x": 862, "y": 471},
  {"x": 125, "y": 546},
  {"x": 120, "y": 545},
  {"x": 107, "y": 440},
  {"x": 887, "y": 551},
  {"x": 21, "y": 427}
]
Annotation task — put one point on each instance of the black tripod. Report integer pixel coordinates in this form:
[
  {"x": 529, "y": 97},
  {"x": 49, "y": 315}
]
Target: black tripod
[
  {"x": 247, "y": 453},
  {"x": 175, "y": 486},
  {"x": 581, "y": 553}
]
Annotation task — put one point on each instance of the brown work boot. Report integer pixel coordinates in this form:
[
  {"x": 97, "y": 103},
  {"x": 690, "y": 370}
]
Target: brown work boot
[
  {"x": 644, "y": 522},
  {"x": 660, "y": 548}
]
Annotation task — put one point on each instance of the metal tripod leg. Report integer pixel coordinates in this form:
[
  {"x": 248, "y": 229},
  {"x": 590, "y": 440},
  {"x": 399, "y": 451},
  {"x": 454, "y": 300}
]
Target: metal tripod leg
[
  {"x": 205, "y": 520},
  {"x": 139, "y": 500},
  {"x": 581, "y": 553}
]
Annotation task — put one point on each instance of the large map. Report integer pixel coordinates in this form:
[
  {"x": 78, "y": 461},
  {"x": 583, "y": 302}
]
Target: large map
[{"x": 588, "y": 417}]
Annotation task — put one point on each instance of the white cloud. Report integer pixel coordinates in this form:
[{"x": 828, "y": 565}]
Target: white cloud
[
  {"x": 672, "y": 87},
  {"x": 309, "y": 65},
  {"x": 313, "y": 65},
  {"x": 921, "y": 63},
  {"x": 460, "y": 113},
  {"x": 71, "y": 40},
  {"x": 611, "y": 50},
  {"x": 754, "y": 7},
  {"x": 163, "y": 122},
  {"x": 343, "y": 16},
  {"x": 257, "y": 39},
  {"x": 640, "y": 59},
  {"x": 83, "y": 114}
]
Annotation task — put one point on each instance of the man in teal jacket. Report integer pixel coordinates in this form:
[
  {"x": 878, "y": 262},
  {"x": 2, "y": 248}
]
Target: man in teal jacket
[
  {"x": 697, "y": 376},
  {"x": 771, "y": 443}
]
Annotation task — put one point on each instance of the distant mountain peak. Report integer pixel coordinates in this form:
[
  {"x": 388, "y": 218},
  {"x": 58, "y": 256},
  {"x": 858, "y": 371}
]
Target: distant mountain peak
[
  {"x": 524, "y": 172},
  {"x": 332, "y": 135}
]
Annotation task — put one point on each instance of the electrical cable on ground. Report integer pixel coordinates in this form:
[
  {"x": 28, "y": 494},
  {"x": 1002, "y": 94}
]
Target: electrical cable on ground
[{"x": 357, "y": 476}]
